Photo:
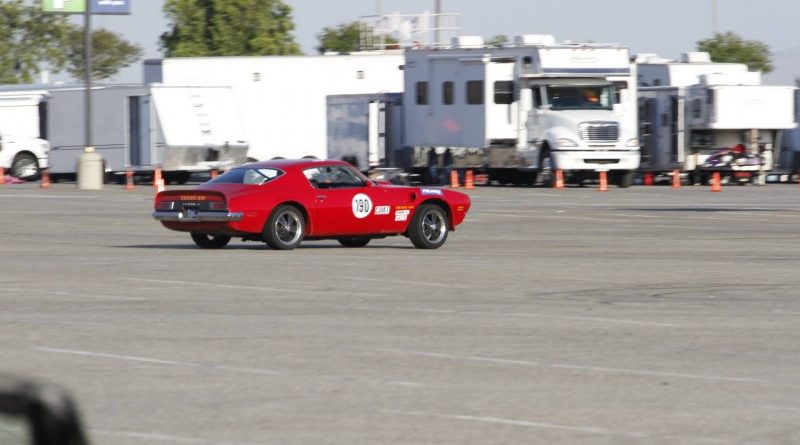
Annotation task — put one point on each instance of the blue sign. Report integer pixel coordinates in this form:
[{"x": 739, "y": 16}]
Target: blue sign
[{"x": 109, "y": 6}]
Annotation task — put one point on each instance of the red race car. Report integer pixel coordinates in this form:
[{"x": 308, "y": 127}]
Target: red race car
[{"x": 284, "y": 202}]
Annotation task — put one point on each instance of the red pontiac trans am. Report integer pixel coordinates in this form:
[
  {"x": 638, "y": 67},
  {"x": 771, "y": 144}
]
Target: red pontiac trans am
[{"x": 283, "y": 202}]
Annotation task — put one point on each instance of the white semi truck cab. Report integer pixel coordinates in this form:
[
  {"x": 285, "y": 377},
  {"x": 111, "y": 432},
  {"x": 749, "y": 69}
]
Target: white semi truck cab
[{"x": 524, "y": 110}]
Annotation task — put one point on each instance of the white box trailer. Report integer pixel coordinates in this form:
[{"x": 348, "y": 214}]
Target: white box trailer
[
  {"x": 523, "y": 110},
  {"x": 700, "y": 117},
  {"x": 282, "y": 100}
]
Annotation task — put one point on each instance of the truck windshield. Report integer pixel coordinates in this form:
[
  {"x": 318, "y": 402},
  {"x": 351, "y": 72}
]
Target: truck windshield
[{"x": 580, "y": 97}]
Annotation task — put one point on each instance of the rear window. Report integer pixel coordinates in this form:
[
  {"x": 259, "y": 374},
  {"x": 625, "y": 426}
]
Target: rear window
[{"x": 247, "y": 175}]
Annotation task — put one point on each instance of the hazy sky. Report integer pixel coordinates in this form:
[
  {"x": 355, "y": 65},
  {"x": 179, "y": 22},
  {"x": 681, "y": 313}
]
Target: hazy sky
[{"x": 666, "y": 27}]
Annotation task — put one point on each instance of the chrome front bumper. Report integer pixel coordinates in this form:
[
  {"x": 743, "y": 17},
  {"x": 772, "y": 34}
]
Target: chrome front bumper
[{"x": 191, "y": 216}]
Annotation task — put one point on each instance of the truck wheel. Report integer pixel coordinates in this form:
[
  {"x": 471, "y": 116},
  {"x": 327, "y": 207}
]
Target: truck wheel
[
  {"x": 353, "y": 242},
  {"x": 428, "y": 229},
  {"x": 285, "y": 228},
  {"x": 207, "y": 241},
  {"x": 25, "y": 167},
  {"x": 546, "y": 174},
  {"x": 623, "y": 179}
]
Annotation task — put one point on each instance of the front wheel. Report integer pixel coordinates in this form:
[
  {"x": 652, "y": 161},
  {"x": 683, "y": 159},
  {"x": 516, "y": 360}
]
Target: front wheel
[
  {"x": 428, "y": 229},
  {"x": 25, "y": 167},
  {"x": 547, "y": 172},
  {"x": 207, "y": 241},
  {"x": 285, "y": 228},
  {"x": 623, "y": 179}
]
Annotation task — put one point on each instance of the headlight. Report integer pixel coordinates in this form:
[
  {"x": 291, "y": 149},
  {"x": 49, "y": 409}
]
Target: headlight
[
  {"x": 564, "y": 142},
  {"x": 633, "y": 142}
]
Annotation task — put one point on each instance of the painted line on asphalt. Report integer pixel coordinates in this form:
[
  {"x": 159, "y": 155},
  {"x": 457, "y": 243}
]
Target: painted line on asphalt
[
  {"x": 414, "y": 283},
  {"x": 257, "y": 288},
  {"x": 73, "y": 294},
  {"x": 155, "y": 361},
  {"x": 513, "y": 314},
  {"x": 165, "y": 437},
  {"x": 625, "y": 371},
  {"x": 525, "y": 423}
]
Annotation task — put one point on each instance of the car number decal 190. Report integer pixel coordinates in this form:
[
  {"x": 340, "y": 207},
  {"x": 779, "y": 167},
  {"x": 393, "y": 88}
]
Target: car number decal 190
[{"x": 362, "y": 205}]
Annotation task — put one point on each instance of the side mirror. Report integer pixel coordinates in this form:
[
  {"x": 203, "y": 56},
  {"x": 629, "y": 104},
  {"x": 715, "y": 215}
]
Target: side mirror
[{"x": 33, "y": 413}]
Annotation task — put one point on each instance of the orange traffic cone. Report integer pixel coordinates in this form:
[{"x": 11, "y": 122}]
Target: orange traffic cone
[
  {"x": 454, "y": 179},
  {"x": 45, "y": 179},
  {"x": 469, "y": 183},
  {"x": 157, "y": 179},
  {"x": 603, "y": 182},
  {"x": 160, "y": 186},
  {"x": 559, "y": 179},
  {"x": 716, "y": 183},
  {"x": 648, "y": 178},
  {"x": 676, "y": 179},
  {"x": 129, "y": 179},
  {"x": 2, "y": 175},
  {"x": 213, "y": 173}
]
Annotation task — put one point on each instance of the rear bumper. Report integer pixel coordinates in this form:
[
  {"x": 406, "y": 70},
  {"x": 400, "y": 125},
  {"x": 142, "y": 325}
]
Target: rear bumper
[{"x": 199, "y": 217}]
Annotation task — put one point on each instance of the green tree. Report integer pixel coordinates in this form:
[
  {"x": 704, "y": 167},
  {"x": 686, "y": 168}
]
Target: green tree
[
  {"x": 228, "y": 28},
  {"x": 28, "y": 39},
  {"x": 110, "y": 53},
  {"x": 730, "y": 47},
  {"x": 346, "y": 38}
]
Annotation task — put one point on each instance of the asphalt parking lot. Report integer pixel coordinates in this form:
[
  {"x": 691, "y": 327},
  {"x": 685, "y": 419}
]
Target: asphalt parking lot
[{"x": 638, "y": 316}]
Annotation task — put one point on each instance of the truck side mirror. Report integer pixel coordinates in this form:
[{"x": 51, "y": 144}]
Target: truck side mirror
[{"x": 33, "y": 413}]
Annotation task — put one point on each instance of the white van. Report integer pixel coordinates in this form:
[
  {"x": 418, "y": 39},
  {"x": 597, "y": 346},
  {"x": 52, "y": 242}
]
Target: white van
[{"x": 23, "y": 157}]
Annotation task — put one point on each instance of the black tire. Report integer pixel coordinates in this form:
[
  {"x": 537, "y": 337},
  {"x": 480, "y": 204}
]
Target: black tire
[
  {"x": 285, "y": 228},
  {"x": 354, "y": 242},
  {"x": 25, "y": 166},
  {"x": 177, "y": 177},
  {"x": 546, "y": 173},
  {"x": 207, "y": 241},
  {"x": 428, "y": 229},
  {"x": 624, "y": 179}
]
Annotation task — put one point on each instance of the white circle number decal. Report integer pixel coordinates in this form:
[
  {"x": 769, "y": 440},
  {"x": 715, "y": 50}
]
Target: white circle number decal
[{"x": 362, "y": 205}]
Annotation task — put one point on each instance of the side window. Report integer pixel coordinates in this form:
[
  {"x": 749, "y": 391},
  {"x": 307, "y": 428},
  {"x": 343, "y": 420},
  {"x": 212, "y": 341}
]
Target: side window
[
  {"x": 504, "y": 92},
  {"x": 447, "y": 93},
  {"x": 475, "y": 92},
  {"x": 333, "y": 176},
  {"x": 697, "y": 109},
  {"x": 422, "y": 93}
]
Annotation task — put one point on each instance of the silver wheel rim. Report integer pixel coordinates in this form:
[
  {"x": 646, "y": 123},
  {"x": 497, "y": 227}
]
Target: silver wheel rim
[
  {"x": 434, "y": 227},
  {"x": 288, "y": 228},
  {"x": 25, "y": 168},
  {"x": 546, "y": 170}
]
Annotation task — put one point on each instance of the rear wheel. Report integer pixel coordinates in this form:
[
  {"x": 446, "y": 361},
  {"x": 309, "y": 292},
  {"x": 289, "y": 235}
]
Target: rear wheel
[
  {"x": 624, "y": 178},
  {"x": 25, "y": 167},
  {"x": 428, "y": 229},
  {"x": 353, "y": 242},
  {"x": 207, "y": 241},
  {"x": 285, "y": 228}
]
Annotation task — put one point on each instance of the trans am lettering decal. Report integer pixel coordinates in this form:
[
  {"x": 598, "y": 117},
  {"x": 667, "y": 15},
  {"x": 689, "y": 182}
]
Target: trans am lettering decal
[
  {"x": 362, "y": 205},
  {"x": 382, "y": 210},
  {"x": 437, "y": 192}
]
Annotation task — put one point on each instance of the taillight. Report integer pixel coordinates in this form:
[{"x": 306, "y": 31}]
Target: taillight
[
  {"x": 165, "y": 205},
  {"x": 217, "y": 205}
]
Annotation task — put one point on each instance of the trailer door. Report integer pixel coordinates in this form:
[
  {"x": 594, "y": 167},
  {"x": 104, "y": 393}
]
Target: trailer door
[{"x": 139, "y": 130}]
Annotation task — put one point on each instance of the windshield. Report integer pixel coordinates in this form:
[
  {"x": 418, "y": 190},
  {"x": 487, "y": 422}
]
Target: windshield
[
  {"x": 579, "y": 97},
  {"x": 247, "y": 175}
]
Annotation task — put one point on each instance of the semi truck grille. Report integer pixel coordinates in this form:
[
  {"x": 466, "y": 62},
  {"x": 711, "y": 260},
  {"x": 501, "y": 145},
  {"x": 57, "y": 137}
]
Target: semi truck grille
[{"x": 599, "y": 131}]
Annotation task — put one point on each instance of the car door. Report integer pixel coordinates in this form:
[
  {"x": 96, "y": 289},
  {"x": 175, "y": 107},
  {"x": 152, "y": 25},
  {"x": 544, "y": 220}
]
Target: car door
[{"x": 345, "y": 201}]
